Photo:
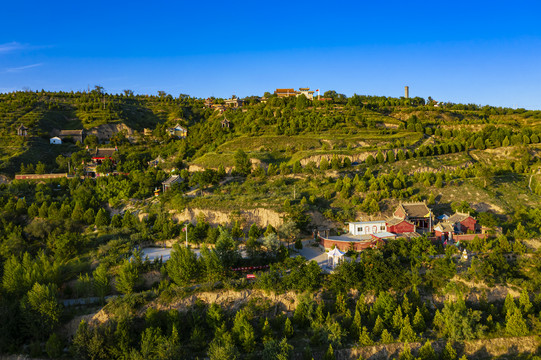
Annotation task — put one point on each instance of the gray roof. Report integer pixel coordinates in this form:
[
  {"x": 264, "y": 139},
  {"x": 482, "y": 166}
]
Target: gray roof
[
  {"x": 173, "y": 179},
  {"x": 418, "y": 209}
]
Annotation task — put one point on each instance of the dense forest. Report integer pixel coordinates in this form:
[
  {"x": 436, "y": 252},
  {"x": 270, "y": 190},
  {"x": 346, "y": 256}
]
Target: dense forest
[{"x": 76, "y": 283}]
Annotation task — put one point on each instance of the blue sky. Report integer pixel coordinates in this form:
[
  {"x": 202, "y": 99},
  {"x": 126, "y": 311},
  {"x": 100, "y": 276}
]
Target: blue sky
[{"x": 462, "y": 51}]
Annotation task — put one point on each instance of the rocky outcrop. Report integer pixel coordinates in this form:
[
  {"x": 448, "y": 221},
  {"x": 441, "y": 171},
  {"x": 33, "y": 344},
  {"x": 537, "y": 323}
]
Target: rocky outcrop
[
  {"x": 106, "y": 131},
  {"x": 261, "y": 217}
]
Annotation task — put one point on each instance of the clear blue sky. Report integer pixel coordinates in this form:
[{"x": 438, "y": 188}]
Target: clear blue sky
[{"x": 462, "y": 51}]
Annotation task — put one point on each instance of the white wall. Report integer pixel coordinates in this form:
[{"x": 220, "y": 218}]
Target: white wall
[{"x": 367, "y": 228}]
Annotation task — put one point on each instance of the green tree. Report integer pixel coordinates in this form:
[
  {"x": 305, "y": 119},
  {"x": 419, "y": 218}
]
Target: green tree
[
  {"x": 329, "y": 354},
  {"x": 449, "y": 353},
  {"x": 127, "y": 278},
  {"x": 426, "y": 352},
  {"x": 53, "y": 346},
  {"x": 380, "y": 158},
  {"x": 386, "y": 337},
  {"x": 288, "y": 231},
  {"x": 254, "y": 231},
  {"x": 102, "y": 219},
  {"x": 102, "y": 281},
  {"x": 324, "y": 164},
  {"x": 40, "y": 310},
  {"x": 288, "y": 328},
  {"x": 515, "y": 324},
  {"x": 226, "y": 249},
  {"x": 89, "y": 216},
  {"x": 419, "y": 322},
  {"x": 182, "y": 267},
  {"x": 242, "y": 163},
  {"x": 222, "y": 346}
]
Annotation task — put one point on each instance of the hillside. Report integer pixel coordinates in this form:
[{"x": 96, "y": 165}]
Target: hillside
[{"x": 253, "y": 185}]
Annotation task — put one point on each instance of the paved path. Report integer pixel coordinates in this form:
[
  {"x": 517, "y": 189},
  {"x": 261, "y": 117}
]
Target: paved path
[
  {"x": 164, "y": 253},
  {"x": 312, "y": 253}
]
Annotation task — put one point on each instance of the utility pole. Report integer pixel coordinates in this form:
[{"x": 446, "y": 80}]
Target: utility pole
[{"x": 186, "y": 228}]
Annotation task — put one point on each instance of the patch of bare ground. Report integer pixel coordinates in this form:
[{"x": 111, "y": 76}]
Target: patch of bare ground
[
  {"x": 474, "y": 349},
  {"x": 477, "y": 290},
  {"x": 484, "y": 207}
]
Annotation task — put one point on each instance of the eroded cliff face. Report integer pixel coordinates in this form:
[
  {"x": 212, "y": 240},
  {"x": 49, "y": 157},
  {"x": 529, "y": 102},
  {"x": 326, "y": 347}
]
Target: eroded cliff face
[{"x": 261, "y": 217}]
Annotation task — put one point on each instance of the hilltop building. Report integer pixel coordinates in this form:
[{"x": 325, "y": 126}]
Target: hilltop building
[
  {"x": 22, "y": 130},
  {"x": 225, "y": 123},
  {"x": 99, "y": 155},
  {"x": 55, "y": 140},
  {"x": 178, "y": 131},
  {"x": 292, "y": 92},
  {"x": 234, "y": 102},
  {"x": 416, "y": 213},
  {"x": 76, "y": 135},
  {"x": 174, "y": 179}
]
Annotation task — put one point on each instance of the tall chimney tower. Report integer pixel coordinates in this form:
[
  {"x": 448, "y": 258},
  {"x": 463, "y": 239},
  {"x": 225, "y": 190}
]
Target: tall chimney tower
[{"x": 407, "y": 91}]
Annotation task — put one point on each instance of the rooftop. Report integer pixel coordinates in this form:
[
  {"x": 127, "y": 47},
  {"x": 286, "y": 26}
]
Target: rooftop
[{"x": 415, "y": 209}]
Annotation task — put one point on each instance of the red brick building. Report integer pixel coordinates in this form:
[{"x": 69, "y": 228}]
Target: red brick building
[
  {"x": 416, "y": 213},
  {"x": 463, "y": 222},
  {"x": 397, "y": 225}
]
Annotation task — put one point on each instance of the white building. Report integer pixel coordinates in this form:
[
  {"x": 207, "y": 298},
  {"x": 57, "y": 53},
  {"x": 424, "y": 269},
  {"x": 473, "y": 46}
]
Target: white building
[
  {"x": 367, "y": 227},
  {"x": 55, "y": 140}
]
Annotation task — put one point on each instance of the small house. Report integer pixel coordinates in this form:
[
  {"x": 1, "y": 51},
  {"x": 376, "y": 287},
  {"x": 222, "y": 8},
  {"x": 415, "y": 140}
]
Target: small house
[
  {"x": 174, "y": 179},
  {"x": 367, "y": 227},
  {"x": 178, "y": 131},
  {"x": 398, "y": 225},
  {"x": 444, "y": 230},
  {"x": 463, "y": 222},
  {"x": 147, "y": 132},
  {"x": 417, "y": 213},
  {"x": 234, "y": 102},
  {"x": 100, "y": 155},
  {"x": 76, "y": 135},
  {"x": 225, "y": 123},
  {"x": 22, "y": 130},
  {"x": 55, "y": 140}
]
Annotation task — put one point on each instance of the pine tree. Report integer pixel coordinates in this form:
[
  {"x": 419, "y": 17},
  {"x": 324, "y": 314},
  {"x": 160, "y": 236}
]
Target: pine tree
[
  {"x": 356, "y": 325},
  {"x": 364, "y": 338},
  {"x": 386, "y": 337},
  {"x": 102, "y": 282},
  {"x": 329, "y": 354},
  {"x": 405, "y": 354},
  {"x": 524, "y": 302},
  {"x": 378, "y": 326},
  {"x": 266, "y": 331},
  {"x": 505, "y": 142},
  {"x": 449, "y": 353},
  {"x": 324, "y": 164},
  {"x": 127, "y": 278},
  {"x": 515, "y": 324},
  {"x": 102, "y": 219},
  {"x": 380, "y": 158},
  {"x": 509, "y": 306},
  {"x": 419, "y": 323},
  {"x": 398, "y": 320},
  {"x": 406, "y": 333},
  {"x": 426, "y": 352},
  {"x": 288, "y": 329}
]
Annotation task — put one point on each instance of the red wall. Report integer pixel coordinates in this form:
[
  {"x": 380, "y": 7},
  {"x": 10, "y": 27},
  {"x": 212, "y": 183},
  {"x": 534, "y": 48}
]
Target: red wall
[
  {"x": 399, "y": 213},
  {"x": 468, "y": 224},
  {"x": 400, "y": 228},
  {"x": 469, "y": 236}
]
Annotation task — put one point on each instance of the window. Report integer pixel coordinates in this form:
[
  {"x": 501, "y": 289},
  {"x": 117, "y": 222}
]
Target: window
[
  {"x": 374, "y": 229},
  {"x": 382, "y": 227},
  {"x": 359, "y": 229}
]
